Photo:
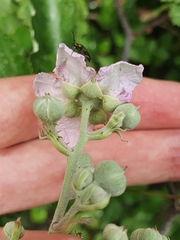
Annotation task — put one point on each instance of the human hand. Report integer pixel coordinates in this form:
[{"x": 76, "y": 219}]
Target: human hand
[{"x": 32, "y": 170}]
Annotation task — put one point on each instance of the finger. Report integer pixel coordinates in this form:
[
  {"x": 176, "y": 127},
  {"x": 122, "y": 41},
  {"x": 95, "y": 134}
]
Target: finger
[
  {"x": 158, "y": 101},
  {"x": 159, "y": 104},
  {"x": 17, "y": 121},
  {"x": 32, "y": 174},
  {"x": 37, "y": 235}
]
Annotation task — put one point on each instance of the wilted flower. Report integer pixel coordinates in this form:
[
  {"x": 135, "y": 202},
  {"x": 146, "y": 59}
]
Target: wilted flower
[{"x": 117, "y": 81}]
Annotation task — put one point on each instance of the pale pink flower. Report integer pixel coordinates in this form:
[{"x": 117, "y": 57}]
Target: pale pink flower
[{"x": 117, "y": 80}]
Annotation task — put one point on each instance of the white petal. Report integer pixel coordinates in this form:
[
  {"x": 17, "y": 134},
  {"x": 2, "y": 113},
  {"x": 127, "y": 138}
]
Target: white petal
[
  {"x": 119, "y": 79},
  {"x": 69, "y": 130},
  {"x": 71, "y": 67},
  {"x": 45, "y": 83}
]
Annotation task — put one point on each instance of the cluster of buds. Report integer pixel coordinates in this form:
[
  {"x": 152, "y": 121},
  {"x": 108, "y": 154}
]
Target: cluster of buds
[
  {"x": 115, "y": 116},
  {"x": 93, "y": 187},
  {"x": 109, "y": 90}
]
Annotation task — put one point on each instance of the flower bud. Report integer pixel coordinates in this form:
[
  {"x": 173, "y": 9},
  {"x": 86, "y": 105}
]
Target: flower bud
[
  {"x": 82, "y": 178},
  {"x": 48, "y": 109},
  {"x": 147, "y": 234},
  {"x": 97, "y": 195},
  {"x": 93, "y": 198},
  {"x": 97, "y": 117},
  {"x": 13, "y": 228},
  {"x": 110, "y": 176},
  {"x": 72, "y": 109},
  {"x": 113, "y": 232},
  {"x": 91, "y": 90},
  {"x": 84, "y": 161},
  {"x": 110, "y": 103},
  {"x": 132, "y": 116}
]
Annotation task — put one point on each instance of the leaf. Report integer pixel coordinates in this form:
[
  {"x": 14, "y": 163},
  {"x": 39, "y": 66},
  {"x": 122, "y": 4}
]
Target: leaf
[
  {"x": 174, "y": 13},
  {"x": 53, "y": 23},
  {"x": 13, "y": 58},
  {"x": 171, "y": 1},
  {"x": 16, "y": 39}
]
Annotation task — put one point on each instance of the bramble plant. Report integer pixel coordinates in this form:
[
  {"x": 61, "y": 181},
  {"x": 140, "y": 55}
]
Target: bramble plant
[{"x": 69, "y": 107}]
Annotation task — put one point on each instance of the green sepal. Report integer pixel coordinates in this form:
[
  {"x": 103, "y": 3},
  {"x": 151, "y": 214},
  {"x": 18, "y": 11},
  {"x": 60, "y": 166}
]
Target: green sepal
[
  {"x": 70, "y": 91},
  {"x": 109, "y": 103},
  {"x": 92, "y": 90}
]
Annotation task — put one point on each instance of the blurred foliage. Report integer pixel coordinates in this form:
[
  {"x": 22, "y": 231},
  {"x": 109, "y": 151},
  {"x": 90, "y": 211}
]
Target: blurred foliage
[
  {"x": 30, "y": 32},
  {"x": 134, "y": 209}
]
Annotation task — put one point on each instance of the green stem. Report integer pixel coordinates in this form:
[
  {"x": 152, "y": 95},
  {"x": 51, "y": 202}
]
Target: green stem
[
  {"x": 52, "y": 136},
  {"x": 71, "y": 166},
  {"x": 66, "y": 224}
]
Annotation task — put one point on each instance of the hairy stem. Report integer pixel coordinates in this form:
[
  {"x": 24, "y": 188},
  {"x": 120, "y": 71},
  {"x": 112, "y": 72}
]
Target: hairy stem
[{"x": 71, "y": 166}]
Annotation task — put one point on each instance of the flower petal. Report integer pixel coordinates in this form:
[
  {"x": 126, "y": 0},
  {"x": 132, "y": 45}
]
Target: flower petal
[
  {"x": 69, "y": 130},
  {"x": 119, "y": 79},
  {"x": 45, "y": 83},
  {"x": 71, "y": 67}
]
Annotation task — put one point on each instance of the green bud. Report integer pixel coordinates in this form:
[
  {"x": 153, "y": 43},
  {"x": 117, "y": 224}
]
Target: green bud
[
  {"x": 147, "y": 234},
  {"x": 70, "y": 91},
  {"x": 110, "y": 103},
  {"x": 93, "y": 198},
  {"x": 97, "y": 117},
  {"x": 13, "y": 230},
  {"x": 48, "y": 109},
  {"x": 132, "y": 116},
  {"x": 84, "y": 161},
  {"x": 113, "y": 232},
  {"x": 110, "y": 176},
  {"x": 72, "y": 109},
  {"x": 97, "y": 194},
  {"x": 82, "y": 178},
  {"x": 91, "y": 90}
]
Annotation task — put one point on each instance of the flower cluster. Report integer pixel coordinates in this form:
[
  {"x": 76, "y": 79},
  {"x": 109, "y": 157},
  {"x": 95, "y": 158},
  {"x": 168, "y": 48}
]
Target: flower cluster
[
  {"x": 110, "y": 87},
  {"x": 69, "y": 105}
]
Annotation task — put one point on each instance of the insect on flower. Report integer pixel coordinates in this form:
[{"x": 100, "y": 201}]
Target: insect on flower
[{"x": 81, "y": 49}]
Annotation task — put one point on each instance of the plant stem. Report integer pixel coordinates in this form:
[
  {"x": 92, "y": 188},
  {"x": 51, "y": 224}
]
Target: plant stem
[{"x": 71, "y": 167}]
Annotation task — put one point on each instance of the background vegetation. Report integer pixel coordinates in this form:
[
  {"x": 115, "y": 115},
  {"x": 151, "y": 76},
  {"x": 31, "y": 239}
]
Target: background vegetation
[{"x": 139, "y": 31}]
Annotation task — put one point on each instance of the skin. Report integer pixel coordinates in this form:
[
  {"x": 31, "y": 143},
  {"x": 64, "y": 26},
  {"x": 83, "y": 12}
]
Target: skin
[{"x": 32, "y": 171}]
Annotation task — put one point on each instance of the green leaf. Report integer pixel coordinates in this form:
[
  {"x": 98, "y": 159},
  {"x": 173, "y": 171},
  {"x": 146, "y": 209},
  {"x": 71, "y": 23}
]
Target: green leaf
[
  {"x": 174, "y": 13},
  {"x": 53, "y": 23},
  {"x": 103, "y": 18},
  {"x": 14, "y": 59},
  {"x": 171, "y": 1},
  {"x": 16, "y": 38}
]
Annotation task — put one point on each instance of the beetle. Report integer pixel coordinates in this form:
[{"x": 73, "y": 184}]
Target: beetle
[{"x": 81, "y": 49}]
